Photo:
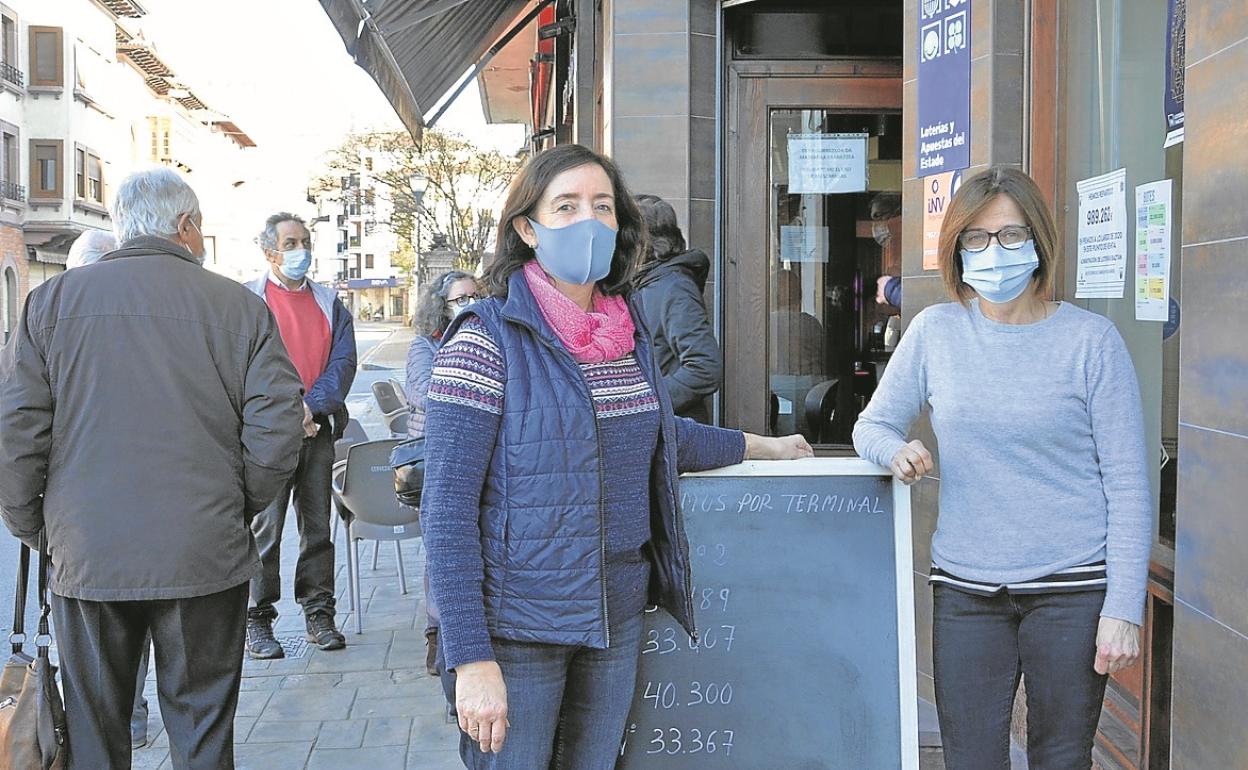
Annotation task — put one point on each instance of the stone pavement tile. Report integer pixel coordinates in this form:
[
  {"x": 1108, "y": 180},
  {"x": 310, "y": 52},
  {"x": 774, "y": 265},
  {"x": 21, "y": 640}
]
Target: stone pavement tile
[
  {"x": 433, "y": 733},
  {"x": 388, "y": 731},
  {"x": 287, "y": 666},
  {"x": 434, "y": 760},
  {"x": 252, "y": 702},
  {"x": 363, "y": 657},
  {"x": 300, "y": 681},
  {"x": 370, "y": 635},
  {"x": 273, "y": 756},
  {"x": 372, "y": 758},
  {"x": 366, "y": 678},
  {"x": 280, "y": 731},
  {"x": 403, "y": 675},
  {"x": 382, "y": 621},
  {"x": 416, "y": 705},
  {"x": 242, "y": 728},
  {"x": 260, "y": 683},
  {"x": 318, "y": 705},
  {"x": 390, "y": 690},
  {"x": 342, "y": 734}
]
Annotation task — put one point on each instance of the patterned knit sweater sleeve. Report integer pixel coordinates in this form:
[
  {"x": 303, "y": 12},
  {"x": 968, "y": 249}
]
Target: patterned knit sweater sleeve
[{"x": 463, "y": 418}]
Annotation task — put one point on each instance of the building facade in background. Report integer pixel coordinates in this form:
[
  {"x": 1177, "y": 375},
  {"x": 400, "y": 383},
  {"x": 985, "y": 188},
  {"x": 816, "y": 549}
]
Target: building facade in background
[
  {"x": 782, "y": 132},
  {"x": 84, "y": 100}
]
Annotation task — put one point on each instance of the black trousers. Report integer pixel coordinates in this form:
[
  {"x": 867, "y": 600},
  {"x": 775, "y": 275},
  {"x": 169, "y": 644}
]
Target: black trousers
[
  {"x": 199, "y": 666},
  {"x": 980, "y": 647},
  {"x": 314, "y": 571}
]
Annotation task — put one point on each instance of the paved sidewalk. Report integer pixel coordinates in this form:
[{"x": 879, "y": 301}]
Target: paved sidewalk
[{"x": 370, "y": 706}]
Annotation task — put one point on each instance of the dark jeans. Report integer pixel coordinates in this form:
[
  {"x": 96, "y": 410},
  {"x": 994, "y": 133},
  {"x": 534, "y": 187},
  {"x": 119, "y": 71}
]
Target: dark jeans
[
  {"x": 981, "y": 645},
  {"x": 314, "y": 571},
  {"x": 199, "y": 666},
  {"x": 567, "y": 705}
]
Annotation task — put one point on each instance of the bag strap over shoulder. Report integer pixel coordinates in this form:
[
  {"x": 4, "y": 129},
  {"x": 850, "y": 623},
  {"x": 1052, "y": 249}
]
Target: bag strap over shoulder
[
  {"x": 17, "y": 639},
  {"x": 44, "y": 640}
]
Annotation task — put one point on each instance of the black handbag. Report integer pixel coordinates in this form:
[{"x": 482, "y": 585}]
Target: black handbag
[
  {"x": 33, "y": 734},
  {"x": 408, "y": 461}
]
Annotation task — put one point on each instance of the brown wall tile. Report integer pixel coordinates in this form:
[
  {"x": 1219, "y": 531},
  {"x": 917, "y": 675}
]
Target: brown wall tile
[
  {"x": 1007, "y": 109},
  {"x": 701, "y": 157},
  {"x": 912, "y": 227},
  {"x": 652, "y": 75},
  {"x": 1213, "y": 25},
  {"x": 701, "y": 232},
  {"x": 1213, "y": 351},
  {"x": 909, "y": 128},
  {"x": 1215, "y": 153},
  {"x": 659, "y": 167},
  {"x": 910, "y": 45},
  {"x": 1009, "y": 23},
  {"x": 1210, "y": 570},
  {"x": 702, "y": 75},
  {"x": 981, "y": 27},
  {"x": 1208, "y": 722},
  {"x": 650, "y": 16},
  {"x": 702, "y": 16},
  {"x": 982, "y": 90}
]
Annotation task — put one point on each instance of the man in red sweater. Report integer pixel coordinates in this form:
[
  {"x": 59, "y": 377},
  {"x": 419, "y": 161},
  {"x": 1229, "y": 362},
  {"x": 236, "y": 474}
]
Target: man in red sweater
[{"x": 320, "y": 338}]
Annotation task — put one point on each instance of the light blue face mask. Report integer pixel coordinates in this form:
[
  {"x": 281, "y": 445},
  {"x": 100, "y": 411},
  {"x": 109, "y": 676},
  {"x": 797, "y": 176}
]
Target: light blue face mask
[
  {"x": 579, "y": 253},
  {"x": 998, "y": 274},
  {"x": 295, "y": 263}
]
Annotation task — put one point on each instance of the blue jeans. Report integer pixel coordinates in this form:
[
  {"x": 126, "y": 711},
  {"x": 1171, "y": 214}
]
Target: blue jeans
[
  {"x": 980, "y": 647},
  {"x": 567, "y": 705}
]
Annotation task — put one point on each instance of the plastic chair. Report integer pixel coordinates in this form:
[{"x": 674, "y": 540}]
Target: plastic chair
[
  {"x": 387, "y": 396},
  {"x": 820, "y": 409},
  {"x": 363, "y": 489},
  {"x": 399, "y": 391},
  {"x": 351, "y": 435}
]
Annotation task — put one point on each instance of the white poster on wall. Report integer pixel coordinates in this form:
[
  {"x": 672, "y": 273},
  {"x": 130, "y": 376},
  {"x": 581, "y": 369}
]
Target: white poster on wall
[
  {"x": 1102, "y": 252},
  {"x": 1152, "y": 251},
  {"x": 827, "y": 163}
]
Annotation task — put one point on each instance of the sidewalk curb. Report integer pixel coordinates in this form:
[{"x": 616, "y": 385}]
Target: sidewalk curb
[{"x": 372, "y": 352}]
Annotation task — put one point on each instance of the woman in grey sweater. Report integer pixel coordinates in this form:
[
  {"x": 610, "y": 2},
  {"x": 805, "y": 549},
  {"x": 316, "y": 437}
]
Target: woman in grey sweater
[{"x": 1040, "y": 556}]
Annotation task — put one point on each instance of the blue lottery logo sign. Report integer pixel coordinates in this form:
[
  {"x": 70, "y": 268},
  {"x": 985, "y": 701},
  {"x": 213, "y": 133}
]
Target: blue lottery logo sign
[{"x": 944, "y": 86}]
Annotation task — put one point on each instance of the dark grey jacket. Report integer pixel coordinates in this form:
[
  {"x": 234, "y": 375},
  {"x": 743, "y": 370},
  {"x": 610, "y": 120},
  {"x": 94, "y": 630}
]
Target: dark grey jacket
[
  {"x": 670, "y": 295},
  {"x": 147, "y": 410}
]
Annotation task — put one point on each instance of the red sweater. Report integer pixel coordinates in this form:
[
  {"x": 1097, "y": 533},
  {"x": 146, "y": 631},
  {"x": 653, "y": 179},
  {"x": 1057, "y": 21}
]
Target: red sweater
[{"x": 304, "y": 329}]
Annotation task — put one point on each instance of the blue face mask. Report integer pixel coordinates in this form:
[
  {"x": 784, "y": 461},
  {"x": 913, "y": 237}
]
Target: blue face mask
[
  {"x": 295, "y": 263},
  {"x": 998, "y": 274},
  {"x": 580, "y": 253}
]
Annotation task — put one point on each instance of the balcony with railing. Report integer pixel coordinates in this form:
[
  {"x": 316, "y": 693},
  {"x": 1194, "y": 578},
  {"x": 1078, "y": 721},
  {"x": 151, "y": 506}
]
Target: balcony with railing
[
  {"x": 12, "y": 191},
  {"x": 11, "y": 74}
]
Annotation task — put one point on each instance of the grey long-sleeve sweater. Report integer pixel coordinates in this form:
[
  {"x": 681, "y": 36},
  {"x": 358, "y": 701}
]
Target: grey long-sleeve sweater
[{"x": 1041, "y": 438}]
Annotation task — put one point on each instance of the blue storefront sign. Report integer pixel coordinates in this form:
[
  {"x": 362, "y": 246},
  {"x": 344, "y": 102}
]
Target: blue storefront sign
[
  {"x": 373, "y": 283},
  {"x": 944, "y": 137}
]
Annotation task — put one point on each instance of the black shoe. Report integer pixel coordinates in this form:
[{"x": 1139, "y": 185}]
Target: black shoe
[
  {"x": 431, "y": 652},
  {"x": 323, "y": 633},
  {"x": 261, "y": 644}
]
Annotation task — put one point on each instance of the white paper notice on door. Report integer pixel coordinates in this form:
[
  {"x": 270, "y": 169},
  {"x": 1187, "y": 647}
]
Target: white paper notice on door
[
  {"x": 1152, "y": 251},
  {"x": 802, "y": 243},
  {"x": 827, "y": 163},
  {"x": 1102, "y": 269}
]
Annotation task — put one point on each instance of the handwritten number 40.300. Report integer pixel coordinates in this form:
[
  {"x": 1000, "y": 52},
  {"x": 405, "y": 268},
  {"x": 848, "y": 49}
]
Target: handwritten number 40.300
[
  {"x": 672, "y": 741},
  {"x": 665, "y": 696}
]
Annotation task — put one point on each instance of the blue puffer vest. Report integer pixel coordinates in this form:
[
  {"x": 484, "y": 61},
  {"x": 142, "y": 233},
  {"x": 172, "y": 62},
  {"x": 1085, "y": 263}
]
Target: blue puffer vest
[{"x": 542, "y": 509}]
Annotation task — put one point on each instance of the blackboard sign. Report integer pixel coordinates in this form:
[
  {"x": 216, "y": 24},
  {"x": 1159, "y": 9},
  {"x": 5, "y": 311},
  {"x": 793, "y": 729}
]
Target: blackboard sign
[{"x": 804, "y": 601}]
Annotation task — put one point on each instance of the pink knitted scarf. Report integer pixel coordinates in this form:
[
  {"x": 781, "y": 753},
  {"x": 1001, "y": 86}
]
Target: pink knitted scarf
[{"x": 593, "y": 337}]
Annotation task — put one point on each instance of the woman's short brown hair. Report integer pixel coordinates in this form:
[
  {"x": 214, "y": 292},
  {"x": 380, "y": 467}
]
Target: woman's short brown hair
[
  {"x": 526, "y": 192},
  {"x": 973, "y": 197}
]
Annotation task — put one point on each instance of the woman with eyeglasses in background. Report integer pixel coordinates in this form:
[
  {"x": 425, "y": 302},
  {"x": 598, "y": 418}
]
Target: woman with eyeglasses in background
[
  {"x": 440, "y": 301},
  {"x": 1040, "y": 555}
]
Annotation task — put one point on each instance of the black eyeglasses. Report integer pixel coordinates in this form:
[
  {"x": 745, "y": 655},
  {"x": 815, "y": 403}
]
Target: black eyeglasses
[
  {"x": 1010, "y": 237},
  {"x": 464, "y": 300}
]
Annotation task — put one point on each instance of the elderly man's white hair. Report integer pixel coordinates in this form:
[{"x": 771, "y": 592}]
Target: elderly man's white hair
[
  {"x": 89, "y": 247},
  {"x": 149, "y": 202}
]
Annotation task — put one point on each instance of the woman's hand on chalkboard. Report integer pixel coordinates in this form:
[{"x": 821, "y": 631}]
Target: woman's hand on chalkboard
[
  {"x": 1117, "y": 645},
  {"x": 776, "y": 448},
  {"x": 912, "y": 462},
  {"x": 481, "y": 700}
]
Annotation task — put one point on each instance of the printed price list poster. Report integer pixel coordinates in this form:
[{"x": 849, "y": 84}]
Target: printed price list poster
[
  {"x": 1152, "y": 251},
  {"x": 1102, "y": 253}
]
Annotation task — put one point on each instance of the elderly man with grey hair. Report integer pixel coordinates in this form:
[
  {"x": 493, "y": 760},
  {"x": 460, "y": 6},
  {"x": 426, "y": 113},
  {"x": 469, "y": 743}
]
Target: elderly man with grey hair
[
  {"x": 89, "y": 247},
  {"x": 148, "y": 411},
  {"x": 320, "y": 337}
]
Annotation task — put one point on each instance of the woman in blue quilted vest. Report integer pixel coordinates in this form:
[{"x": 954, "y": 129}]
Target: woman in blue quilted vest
[{"x": 552, "y": 456}]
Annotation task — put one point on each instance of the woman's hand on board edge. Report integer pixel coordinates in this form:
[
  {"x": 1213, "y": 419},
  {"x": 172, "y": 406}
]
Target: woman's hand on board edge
[
  {"x": 777, "y": 447},
  {"x": 912, "y": 462}
]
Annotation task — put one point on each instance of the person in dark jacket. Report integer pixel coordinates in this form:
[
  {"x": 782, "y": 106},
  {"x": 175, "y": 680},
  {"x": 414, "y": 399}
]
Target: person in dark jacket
[
  {"x": 148, "y": 410},
  {"x": 669, "y": 290},
  {"x": 552, "y": 453},
  {"x": 320, "y": 335},
  {"x": 440, "y": 301}
]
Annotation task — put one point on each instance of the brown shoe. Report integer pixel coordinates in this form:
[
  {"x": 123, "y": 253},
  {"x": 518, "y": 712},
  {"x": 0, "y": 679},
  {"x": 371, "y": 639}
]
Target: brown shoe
[{"x": 431, "y": 651}]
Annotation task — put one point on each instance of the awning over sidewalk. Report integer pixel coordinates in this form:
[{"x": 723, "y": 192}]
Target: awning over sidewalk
[{"x": 417, "y": 50}]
